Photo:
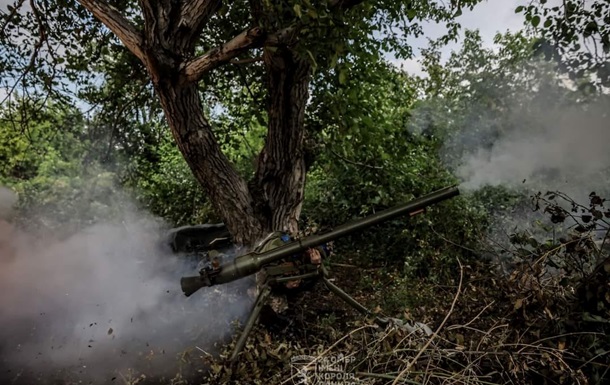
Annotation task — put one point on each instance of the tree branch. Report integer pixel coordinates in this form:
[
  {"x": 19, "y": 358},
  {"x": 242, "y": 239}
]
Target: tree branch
[
  {"x": 279, "y": 181},
  {"x": 8, "y": 19},
  {"x": 194, "y": 69},
  {"x": 195, "y": 13},
  {"x": 42, "y": 37},
  {"x": 120, "y": 26},
  {"x": 283, "y": 36},
  {"x": 151, "y": 23},
  {"x": 354, "y": 162}
]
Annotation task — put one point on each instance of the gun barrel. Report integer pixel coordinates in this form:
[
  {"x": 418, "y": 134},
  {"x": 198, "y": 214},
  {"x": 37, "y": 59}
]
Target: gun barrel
[
  {"x": 411, "y": 208},
  {"x": 250, "y": 263},
  {"x": 190, "y": 285}
]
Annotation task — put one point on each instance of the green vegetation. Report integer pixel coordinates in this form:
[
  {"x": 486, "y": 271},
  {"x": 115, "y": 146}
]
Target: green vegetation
[{"x": 532, "y": 307}]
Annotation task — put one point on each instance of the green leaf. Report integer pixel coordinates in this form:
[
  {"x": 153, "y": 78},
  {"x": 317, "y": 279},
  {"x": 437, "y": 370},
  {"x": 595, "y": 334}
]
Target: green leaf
[
  {"x": 342, "y": 76},
  {"x": 313, "y": 60},
  {"x": 548, "y": 23},
  {"x": 535, "y": 21},
  {"x": 411, "y": 13},
  {"x": 297, "y": 10},
  {"x": 333, "y": 60},
  {"x": 519, "y": 9}
]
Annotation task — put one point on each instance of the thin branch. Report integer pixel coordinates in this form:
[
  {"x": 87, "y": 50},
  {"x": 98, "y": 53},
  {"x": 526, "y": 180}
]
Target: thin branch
[
  {"x": 474, "y": 319},
  {"x": 151, "y": 22},
  {"x": 117, "y": 116},
  {"x": 10, "y": 16},
  {"x": 327, "y": 350},
  {"x": 453, "y": 243},
  {"x": 118, "y": 24},
  {"x": 433, "y": 336},
  {"x": 354, "y": 162},
  {"x": 385, "y": 377},
  {"x": 194, "y": 69},
  {"x": 42, "y": 36},
  {"x": 601, "y": 247}
]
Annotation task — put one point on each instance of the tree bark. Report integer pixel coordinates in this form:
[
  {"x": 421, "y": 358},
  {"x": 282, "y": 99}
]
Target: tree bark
[
  {"x": 227, "y": 191},
  {"x": 279, "y": 183},
  {"x": 273, "y": 198}
]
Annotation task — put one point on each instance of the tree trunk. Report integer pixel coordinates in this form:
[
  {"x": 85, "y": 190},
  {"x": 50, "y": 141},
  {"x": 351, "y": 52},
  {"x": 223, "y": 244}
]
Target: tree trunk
[
  {"x": 227, "y": 191},
  {"x": 272, "y": 201},
  {"x": 166, "y": 46},
  {"x": 279, "y": 183}
]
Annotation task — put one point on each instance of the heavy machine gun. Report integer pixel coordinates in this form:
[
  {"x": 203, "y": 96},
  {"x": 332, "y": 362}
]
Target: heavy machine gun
[{"x": 214, "y": 273}]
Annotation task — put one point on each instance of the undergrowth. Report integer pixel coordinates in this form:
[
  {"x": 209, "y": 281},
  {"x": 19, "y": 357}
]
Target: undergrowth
[
  {"x": 544, "y": 318},
  {"x": 536, "y": 313}
]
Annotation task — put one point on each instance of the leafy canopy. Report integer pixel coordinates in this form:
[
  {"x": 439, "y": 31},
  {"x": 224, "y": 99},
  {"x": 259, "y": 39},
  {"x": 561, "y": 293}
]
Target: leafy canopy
[{"x": 574, "y": 33}]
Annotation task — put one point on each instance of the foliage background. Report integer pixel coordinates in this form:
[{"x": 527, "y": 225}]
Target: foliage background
[{"x": 377, "y": 137}]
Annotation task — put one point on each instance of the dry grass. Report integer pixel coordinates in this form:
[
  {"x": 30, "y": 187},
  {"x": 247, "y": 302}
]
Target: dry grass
[{"x": 518, "y": 329}]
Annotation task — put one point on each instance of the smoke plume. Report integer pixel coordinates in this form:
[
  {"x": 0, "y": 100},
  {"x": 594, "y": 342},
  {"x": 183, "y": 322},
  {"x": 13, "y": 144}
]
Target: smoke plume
[
  {"x": 8, "y": 199},
  {"x": 102, "y": 302},
  {"x": 562, "y": 149}
]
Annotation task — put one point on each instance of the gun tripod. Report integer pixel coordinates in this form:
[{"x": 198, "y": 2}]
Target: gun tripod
[{"x": 280, "y": 274}]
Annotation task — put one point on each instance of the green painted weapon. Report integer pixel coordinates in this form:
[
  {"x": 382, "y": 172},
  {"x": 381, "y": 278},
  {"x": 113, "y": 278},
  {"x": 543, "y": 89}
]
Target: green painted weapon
[
  {"x": 250, "y": 263},
  {"x": 253, "y": 262}
]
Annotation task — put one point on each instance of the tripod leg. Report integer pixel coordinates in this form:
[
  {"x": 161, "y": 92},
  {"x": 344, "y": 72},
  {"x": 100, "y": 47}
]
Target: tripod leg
[
  {"x": 350, "y": 301},
  {"x": 256, "y": 310},
  {"x": 346, "y": 297}
]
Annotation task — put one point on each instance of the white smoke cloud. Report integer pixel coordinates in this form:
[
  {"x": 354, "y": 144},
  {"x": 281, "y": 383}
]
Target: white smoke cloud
[
  {"x": 561, "y": 149},
  {"x": 8, "y": 199},
  {"x": 106, "y": 299}
]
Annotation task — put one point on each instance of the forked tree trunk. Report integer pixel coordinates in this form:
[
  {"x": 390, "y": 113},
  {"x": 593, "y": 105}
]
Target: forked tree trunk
[
  {"x": 166, "y": 45},
  {"x": 273, "y": 199}
]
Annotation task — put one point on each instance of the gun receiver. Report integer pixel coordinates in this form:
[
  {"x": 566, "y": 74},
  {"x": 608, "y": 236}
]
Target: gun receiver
[{"x": 252, "y": 262}]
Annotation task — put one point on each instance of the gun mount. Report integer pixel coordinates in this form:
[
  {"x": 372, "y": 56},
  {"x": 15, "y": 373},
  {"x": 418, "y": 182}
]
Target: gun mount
[{"x": 250, "y": 263}]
